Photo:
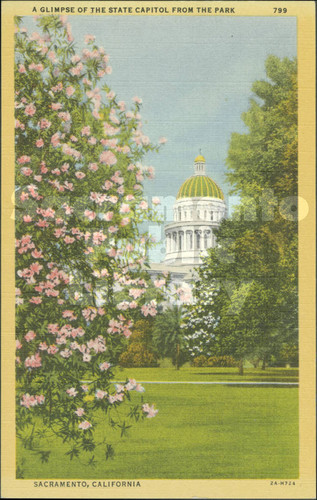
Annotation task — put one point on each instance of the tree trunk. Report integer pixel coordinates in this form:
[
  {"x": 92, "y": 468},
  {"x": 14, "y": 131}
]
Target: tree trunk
[
  {"x": 241, "y": 367},
  {"x": 263, "y": 364},
  {"x": 177, "y": 357}
]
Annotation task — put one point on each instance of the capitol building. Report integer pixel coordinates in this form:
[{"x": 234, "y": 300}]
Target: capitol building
[{"x": 197, "y": 212}]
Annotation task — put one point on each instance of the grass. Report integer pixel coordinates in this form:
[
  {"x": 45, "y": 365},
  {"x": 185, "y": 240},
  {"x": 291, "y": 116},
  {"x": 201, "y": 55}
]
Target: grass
[{"x": 200, "y": 432}]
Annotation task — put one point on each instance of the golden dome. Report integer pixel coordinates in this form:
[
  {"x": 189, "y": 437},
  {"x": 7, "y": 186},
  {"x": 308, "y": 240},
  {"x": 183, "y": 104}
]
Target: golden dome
[{"x": 199, "y": 186}]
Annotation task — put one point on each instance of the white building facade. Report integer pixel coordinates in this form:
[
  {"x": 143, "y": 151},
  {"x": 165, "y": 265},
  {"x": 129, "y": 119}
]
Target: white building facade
[{"x": 197, "y": 212}]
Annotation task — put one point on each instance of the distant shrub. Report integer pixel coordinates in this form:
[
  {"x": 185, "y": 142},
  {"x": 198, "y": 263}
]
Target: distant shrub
[
  {"x": 222, "y": 361},
  {"x": 214, "y": 361},
  {"x": 139, "y": 351},
  {"x": 138, "y": 356},
  {"x": 200, "y": 361}
]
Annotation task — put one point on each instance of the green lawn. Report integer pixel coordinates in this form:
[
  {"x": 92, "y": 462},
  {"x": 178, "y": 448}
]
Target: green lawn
[
  {"x": 188, "y": 373},
  {"x": 201, "y": 431}
]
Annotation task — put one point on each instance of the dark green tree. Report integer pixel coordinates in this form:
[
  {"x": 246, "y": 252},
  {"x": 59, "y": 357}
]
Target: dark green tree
[
  {"x": 168, "y": 337},
  {"x": 253, "y": 271}
]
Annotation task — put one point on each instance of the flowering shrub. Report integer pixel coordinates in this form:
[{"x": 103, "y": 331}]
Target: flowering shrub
[
  {"x": 198, "y": 321},
  {"x": 79, "y": 203}
]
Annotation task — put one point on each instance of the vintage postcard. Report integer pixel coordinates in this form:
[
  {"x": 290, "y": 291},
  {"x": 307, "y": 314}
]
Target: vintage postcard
[{"x": 158, "y": 249}]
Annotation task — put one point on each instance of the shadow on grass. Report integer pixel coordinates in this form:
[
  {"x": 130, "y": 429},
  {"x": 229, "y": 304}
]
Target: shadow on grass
[{"x": 268, "y": 385}]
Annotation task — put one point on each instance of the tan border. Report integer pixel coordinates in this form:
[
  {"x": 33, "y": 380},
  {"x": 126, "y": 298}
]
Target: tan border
[{"x": 305, "y": 486}]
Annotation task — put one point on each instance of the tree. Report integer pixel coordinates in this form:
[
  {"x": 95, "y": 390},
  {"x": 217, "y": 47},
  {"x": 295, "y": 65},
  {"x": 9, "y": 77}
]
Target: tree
[
  {"x": 251, "y": 276},
  {"x": 79, "y": 204},
  {"x": 168, "y": 337}
]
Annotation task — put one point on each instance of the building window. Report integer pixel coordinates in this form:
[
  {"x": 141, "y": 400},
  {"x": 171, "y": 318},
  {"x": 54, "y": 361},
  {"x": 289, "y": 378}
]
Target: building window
[
  {"x": 198, "y": 241},
  {"x": 206, "y": 240},
  {"x": 205, "y": 214},
  {"x": 185, "y": 215},
  {"x": 211, "y": 216},
  {"x": 198, "y": 214}
]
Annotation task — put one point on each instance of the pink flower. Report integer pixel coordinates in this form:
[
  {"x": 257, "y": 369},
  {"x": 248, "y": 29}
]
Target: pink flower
[
  {"x": 53, "y": 349},
  {"x": 89, "y": 38},
  {"x": 33, "y": 361},
  {"x": 18, "y": 345},
  {"x": 100, "y": 394},
  {"x": 35, "y": 300},
  {"x": 80, "y": 412},
  {"x": 108, "y": 216},
  {"x": 72, "y": 392},
  {"x": 85, "y": 387},
  {"x": 21, "y": 69},
  {"x": 55, "y": 140},
  {"x": 75, "y": 59},
  {"x": 156, "y": 200},
  {"x": 104, "y": 366},
  {"x": 56, "y": 106},
  {"x": 151, "y": 412},
  {"x": 159, "y": 283},
  {"x": 108, "y": 158},
  {"x": 109, "y": 130},
  {"x": 162, "y": 140},
  {"x": 30, "y": 110},
  {"x": 90, "y": 214},
  {"x": 143, "y": 205},
  {"x": 107, "y": 185},
  {"x": 24, "y": 159},
  {"x": 125, "y": 221},
  {"x": 70, "y": 37},
  {"x": 37, "y": 254},
  {"x": 84, "y": 425},
  {"x": 64, "y": 116},
  {"x": 30, "y": 401},
  {"x": 136, "y": 99},
  {"x": 80, "y": 175},
  {"x": 136, "y": 292},
  {"x": 66, "y": 353},
  {"x": 52, "y": 56},
  {"x": 69, "y": 240},
  {"x": 70, "y": 91},
  {"x": 85, "y": 130},
  {"x": 75, "y": 71},
  {"x": 124, "y": 209},
  {"x": 111, "y": 95},
  {"x": 26, "y": 171},
  {"x": 93, "y": 167},
  {"x": 39, "y": 143}
]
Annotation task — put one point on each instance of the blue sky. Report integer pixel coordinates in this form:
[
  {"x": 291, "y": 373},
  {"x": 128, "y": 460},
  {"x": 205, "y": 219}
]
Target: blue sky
[{"x": 194, "y": 75}]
